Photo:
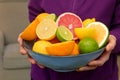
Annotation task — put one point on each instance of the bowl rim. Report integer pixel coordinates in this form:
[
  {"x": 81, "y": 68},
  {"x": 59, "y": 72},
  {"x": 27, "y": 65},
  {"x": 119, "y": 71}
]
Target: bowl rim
[{"x": 101, "y": 49}]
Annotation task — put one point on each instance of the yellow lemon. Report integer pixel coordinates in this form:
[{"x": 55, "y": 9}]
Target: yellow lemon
[
  {"x": 88, "y": 21},
  {"x": 42, "y": 16},
  {"x": 84, "y": 32},
  {"x": 40, "y": 47}
]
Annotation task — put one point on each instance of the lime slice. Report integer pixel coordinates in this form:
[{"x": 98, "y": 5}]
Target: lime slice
[
  {"x": 64, "y": 34},
  {"x": 71, "y": 21}
]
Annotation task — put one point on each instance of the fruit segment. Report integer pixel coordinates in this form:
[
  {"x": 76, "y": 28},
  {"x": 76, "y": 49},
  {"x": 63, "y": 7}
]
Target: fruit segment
[
  {"x": 88, "y": 45},
  {"x": 42, "y": 16},
  {"x": 40, "y": 47},
  {"x": 61, "y": 49},
  {"x": 46, "y": 29},
  {"x": 85, "y": 32},
  {"x": 64, "y": 34},
  {"x": 88, "y": 21},
  {"x": 69, "y": 20},
  {"x": 29, "y": 32},
  {"x": 102, "y": 33}
]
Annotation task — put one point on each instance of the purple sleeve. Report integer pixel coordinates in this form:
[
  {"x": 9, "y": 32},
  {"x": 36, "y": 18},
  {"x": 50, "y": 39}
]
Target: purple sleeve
[
  {"x": 115, "y": 29},
  {"x": 34, "y": 9}
]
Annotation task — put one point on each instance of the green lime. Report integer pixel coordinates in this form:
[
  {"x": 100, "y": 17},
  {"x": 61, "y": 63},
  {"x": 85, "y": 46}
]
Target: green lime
[
  {"x": 87, "y": 45},
  {"x": 51, "y": 16},
  {"x": 64, "y": 34}
]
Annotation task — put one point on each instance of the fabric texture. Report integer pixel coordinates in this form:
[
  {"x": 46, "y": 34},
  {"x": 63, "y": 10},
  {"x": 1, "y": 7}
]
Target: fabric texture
[
  {"x": 11, "y": 60},
  {"x": 106, "y": 11}
]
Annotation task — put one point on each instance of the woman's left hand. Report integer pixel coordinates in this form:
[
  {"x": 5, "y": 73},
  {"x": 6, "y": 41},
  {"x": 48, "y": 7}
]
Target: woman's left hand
[{"x": 103, "y": 58}]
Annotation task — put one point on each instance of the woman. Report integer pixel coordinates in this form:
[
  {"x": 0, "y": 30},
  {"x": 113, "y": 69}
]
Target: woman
[{"x": 106, "y": 11}]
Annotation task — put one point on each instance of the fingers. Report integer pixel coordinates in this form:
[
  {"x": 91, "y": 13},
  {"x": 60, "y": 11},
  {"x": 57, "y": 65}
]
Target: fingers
[
  {"x": 23, "y": 50},
  {"x": 99, "y": 62},
  {"x": 41, "y": 66},
  {"x": 86, "y": 68},
  {"x": 111, "y": 43},
  {"x": 32, "y": 61}
]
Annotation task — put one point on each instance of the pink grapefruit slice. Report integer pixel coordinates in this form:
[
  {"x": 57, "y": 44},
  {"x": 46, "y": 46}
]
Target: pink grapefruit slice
[{"x": 70, "y": 20}]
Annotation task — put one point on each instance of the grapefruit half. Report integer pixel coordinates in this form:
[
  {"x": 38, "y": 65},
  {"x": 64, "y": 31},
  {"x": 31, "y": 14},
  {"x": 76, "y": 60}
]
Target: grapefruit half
[
  {"x": 70, "y": 20},
  {"x": 101, "y": 33}
]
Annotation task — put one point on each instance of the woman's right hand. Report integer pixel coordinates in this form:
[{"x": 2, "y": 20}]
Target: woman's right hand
[{"x": 24, "y": 51}]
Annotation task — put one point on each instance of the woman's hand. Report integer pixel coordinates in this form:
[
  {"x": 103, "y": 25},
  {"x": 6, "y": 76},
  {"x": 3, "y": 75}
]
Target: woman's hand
[
  {"x": 24, "y": 51},
  {"x": 103, "y": 58}
]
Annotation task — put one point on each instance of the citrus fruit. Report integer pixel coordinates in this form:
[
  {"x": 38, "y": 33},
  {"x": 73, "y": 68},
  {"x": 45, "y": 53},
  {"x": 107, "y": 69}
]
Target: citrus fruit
[
  {"x": 102, "y": 33},
  {"x": 69, "y": 20},
  {"x": 54, "y": 40},
  {"x": 29, "y": 33},
  {"x": 84, "y": 32},
  {"x": 40, "y": 46},
  {"x": 87, "y": 45},
  {"x": 64, "y": 34},
  {"x": 42, "y": 16},
  {"x": 46, "y": 29},
  {"x": 88, "y": 21},
  {"x": 51, "y": 16},
  {"x": 75, "y": 50},
  {"x": 61, "y": 49}
]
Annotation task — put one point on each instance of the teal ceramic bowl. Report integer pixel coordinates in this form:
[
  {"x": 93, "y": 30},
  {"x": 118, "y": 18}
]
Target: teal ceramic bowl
[{"x": 64, "y": 63}]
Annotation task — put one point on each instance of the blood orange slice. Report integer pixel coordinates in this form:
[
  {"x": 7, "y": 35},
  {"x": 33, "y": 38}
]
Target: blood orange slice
[{"x": 70, "y": 20}]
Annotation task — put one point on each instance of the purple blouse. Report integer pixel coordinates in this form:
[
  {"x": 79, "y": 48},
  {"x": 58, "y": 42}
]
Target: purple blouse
[{"x": 106, "y": 11}]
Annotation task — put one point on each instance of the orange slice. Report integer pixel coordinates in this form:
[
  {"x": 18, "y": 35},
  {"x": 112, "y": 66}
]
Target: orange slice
[
  {"x": 75, "y": 50},
  {"x": 61, "y": 49},
  {"x": 29, "y": 32}
]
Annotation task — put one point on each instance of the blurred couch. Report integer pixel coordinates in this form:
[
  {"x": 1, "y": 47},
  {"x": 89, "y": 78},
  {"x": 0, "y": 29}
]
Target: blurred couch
[{"x": 13, "y": 19}]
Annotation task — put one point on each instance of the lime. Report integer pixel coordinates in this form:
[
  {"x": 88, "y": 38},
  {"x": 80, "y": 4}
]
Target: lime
[
  {"x": 64, "y": 34},
  {"x": 87, "y": 45},
  {"x": 46, "y": 29},
  {"x": 51, "y": 16}
]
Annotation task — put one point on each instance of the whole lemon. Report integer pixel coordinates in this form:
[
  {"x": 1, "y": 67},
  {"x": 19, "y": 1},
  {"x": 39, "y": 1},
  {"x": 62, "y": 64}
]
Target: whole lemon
[{"x": 87, "y": 45}]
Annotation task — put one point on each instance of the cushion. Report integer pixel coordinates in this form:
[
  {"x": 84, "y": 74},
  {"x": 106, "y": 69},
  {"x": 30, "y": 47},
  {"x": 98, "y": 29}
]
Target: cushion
[{"x": 12, "y": 57}]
